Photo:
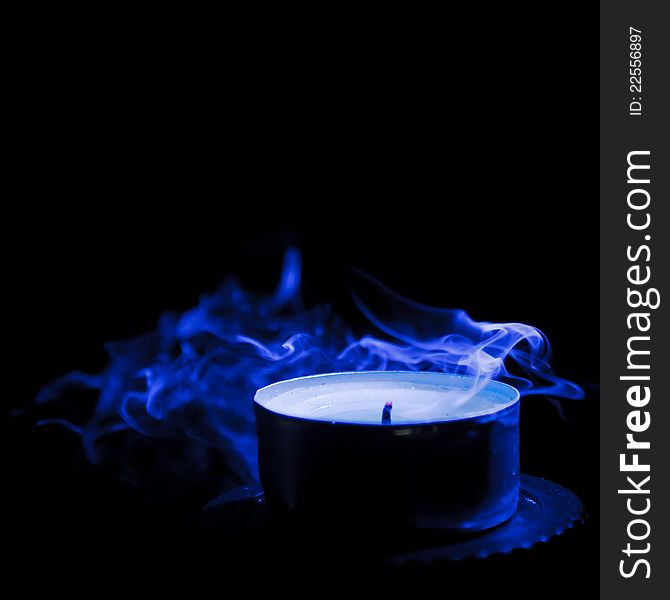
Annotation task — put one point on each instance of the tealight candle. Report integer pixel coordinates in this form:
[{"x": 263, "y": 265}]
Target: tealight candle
[{"x": 418, "y": 449}]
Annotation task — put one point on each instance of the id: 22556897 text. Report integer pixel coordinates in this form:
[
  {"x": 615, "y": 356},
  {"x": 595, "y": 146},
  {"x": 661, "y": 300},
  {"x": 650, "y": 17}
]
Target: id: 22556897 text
[{"x": 635, "y": 71}]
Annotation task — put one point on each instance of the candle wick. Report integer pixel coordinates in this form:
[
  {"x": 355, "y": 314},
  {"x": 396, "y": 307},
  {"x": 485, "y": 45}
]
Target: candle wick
[{"x": 386, "y": 413}]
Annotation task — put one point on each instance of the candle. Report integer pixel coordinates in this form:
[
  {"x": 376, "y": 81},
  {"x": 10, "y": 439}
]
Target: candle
[{"x": 427, "y": 450}]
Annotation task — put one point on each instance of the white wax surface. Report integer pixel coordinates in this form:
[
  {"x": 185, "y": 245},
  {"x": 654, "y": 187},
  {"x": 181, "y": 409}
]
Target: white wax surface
[{"x": 360, "y": 397}]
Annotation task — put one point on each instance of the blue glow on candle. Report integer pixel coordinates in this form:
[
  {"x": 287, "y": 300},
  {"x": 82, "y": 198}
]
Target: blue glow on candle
[
  {"x": 414, "y": 397},
  {"x": 193, "y": 379}
]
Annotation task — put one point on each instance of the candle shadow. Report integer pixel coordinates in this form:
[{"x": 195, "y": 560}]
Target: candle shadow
[{"x": 243, "y": 516}]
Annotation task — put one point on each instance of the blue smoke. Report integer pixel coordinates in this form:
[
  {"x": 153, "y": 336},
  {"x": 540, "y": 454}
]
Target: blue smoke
[{"x": 192, "y": 380}]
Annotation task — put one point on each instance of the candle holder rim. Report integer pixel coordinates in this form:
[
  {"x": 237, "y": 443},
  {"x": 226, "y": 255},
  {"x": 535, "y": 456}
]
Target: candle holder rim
[{"x": 497, "y": 411}]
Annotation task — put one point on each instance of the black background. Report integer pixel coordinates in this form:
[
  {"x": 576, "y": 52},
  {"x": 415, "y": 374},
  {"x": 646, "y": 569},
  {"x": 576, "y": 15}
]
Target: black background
[{"x": 455, "y": 164}]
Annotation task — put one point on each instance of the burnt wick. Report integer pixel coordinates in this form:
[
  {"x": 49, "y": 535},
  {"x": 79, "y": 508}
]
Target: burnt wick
[{"x": 386, "y": 413}]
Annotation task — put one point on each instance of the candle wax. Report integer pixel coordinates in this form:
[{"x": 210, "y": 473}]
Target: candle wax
[{"x": 422, "y": 398}]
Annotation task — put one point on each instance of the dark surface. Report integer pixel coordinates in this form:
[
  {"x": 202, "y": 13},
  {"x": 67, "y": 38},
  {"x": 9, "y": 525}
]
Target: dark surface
[{"x": 460, "y": 173}]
